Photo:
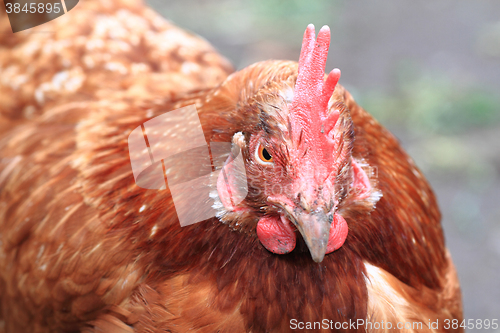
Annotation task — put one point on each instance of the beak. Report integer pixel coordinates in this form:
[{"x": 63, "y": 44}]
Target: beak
[{"x": 315, "y": 229}]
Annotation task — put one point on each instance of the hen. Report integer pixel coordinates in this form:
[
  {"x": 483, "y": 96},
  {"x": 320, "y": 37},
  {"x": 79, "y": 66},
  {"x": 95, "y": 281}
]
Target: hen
[{"x": 336, "y": 228}]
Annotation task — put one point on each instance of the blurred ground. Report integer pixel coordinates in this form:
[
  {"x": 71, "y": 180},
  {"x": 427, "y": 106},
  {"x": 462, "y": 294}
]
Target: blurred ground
[{"x": 429, "y": 71}]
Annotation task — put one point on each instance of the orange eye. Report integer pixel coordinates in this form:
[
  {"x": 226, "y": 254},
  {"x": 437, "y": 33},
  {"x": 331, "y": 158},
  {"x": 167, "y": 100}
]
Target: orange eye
[{"x": 263, "y": 156}]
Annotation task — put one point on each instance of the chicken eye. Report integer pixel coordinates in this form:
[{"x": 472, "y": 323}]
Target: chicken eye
[{"x": 263, "y": 156}]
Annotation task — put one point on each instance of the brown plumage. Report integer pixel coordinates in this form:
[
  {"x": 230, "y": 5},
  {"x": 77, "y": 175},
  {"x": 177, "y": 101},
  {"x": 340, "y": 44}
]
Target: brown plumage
[{"x": 84, "y": 249}]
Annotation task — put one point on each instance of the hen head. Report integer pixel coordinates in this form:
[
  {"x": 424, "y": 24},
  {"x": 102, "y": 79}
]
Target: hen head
[{"x": 296, "y": 137}]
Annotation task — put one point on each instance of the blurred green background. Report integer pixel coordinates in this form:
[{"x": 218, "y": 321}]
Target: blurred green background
[{"x": 428, "y": 70}]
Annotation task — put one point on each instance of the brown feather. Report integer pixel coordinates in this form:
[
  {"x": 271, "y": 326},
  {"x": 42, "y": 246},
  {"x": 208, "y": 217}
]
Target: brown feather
[{"x": 83, "y": 248}]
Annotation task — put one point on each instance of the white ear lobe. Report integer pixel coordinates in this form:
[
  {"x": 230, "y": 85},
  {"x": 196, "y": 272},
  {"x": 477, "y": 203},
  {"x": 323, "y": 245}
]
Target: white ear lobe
[{"x": 361, "y": 186}]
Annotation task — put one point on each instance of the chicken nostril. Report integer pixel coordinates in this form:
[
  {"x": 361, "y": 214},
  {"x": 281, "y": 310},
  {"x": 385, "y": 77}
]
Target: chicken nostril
[
  {"x": 303, "y": 203},
  {"x": 290, "y": 218}
]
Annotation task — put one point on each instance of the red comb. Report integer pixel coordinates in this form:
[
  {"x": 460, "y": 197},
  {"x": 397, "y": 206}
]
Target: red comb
[{"x": 312, "y": 92}]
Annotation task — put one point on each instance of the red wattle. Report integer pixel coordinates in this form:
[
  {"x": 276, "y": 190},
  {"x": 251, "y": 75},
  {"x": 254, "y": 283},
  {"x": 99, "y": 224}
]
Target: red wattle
[
  {"x": 276, "y": 234},
  {"x": 338, "y": 233}
]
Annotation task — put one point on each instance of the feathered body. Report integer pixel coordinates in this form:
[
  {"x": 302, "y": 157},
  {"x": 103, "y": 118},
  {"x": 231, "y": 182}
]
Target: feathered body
[{"x": 83, "y": 248}]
